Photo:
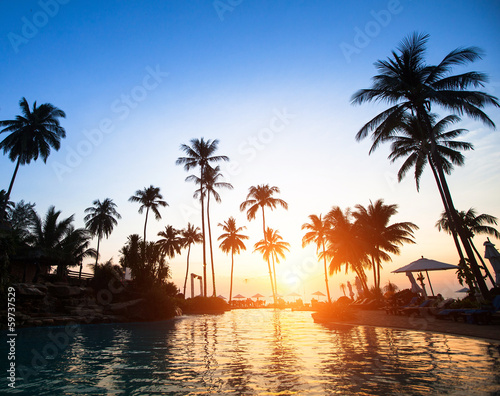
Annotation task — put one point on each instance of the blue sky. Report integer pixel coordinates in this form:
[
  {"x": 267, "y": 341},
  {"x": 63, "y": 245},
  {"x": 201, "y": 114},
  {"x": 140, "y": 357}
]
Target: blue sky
[{"x": 270, "y": 80}]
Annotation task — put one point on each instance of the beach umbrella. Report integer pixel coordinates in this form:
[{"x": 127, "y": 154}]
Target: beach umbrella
[
  {"x": 239, "y": 296},
  {"x": 257, "y": 296},
  {"x": 423, "y": 264},
  {"x": 318, "y": 294},
  {"x": 463, "y": 290},
  {"x": 221, "y": 296},
  {"x": 494, "y": 257}
]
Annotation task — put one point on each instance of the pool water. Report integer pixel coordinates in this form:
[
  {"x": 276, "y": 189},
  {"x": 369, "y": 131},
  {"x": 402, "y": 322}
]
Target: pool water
[{"x": 248, "y": 352}]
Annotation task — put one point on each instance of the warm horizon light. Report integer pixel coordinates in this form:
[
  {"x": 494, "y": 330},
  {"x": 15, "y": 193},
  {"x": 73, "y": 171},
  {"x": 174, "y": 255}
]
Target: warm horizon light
[{"x": 272, "y": 82}]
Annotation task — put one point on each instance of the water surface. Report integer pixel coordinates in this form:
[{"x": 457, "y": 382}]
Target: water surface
[{"x": 250, "y": 352}]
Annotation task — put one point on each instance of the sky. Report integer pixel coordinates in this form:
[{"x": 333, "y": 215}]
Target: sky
[{"x": 272, "y": 81}]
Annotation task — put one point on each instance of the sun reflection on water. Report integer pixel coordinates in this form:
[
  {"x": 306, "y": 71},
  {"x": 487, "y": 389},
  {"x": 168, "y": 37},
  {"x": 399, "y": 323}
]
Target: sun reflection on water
[{"x": 264, "y": 352}]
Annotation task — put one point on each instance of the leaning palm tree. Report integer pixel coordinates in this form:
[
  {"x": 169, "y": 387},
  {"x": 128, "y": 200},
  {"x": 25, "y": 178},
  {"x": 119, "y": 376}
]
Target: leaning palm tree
[
  {"x": 150, "y": 199},
  {"x": 232, "y": 242},
  {"x": 316, "y": 233},
  {"x": 211, "y": 183},
  {"x": 171, "y": 243},
  {"x": 101, "y": 219},
  {"x": 381, "y": 237},
  {"x": 474, "y": 224},
  {"x": 201, "y": 154},
  {"x": 189, "y": 236},
  {"x": 272, "y": 247},
  {"x": 31, "y": 134},
  {"x": 410, "y": 142},
  {"x": 410, "y": 85}
]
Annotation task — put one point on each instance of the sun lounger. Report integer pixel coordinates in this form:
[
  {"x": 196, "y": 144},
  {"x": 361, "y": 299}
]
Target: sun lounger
[{"x": 472, "y": 315}]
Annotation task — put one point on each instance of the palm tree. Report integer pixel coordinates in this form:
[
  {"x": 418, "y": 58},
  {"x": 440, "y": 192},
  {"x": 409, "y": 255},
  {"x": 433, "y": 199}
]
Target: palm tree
[
  {"x": 101, "y": 219},
  {"x": 344, "y": 244},
  {"x": 381, "y": 237},
  {"x": 150, "y": 199},
  {"x": 473, "y": 224},
  {"x": 201, "y": 154},
  {"x": 317, "y": 233},
  {"x": 272, "y": 247},
  {"x": 412, "y": 143},
  {"x": 32, "y": 134},
  {"x": 410, "y": 85},
  {"x": 261, "y": 196},
  {"x": 212, "y": 175},
  {"x": 189, "y": 236},
  {"x": 171, "y": 244},
  {"x": 58, "y": 242},
  {"x": 232, "y": 242}
]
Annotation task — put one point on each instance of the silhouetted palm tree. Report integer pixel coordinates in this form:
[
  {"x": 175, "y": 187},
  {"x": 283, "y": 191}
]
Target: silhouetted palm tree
[
  {"x": 473, "y": 224},
  {"x": 171, "y": 243},
  {"x": 212, "y": 175},
  {"x": 201, "y": 154},
  {"x": 32, "y": 134},
  {"x": 410, "y": 85},
  {"x": 317, "y": 233},
  {"x": 345, "y": 245},
  {"x": 232, "y": 242},
  {"x": 150, "y": 199},
  {"x": 101, "y": 219},
  {"x": 189, "y": 236},
  {"x": 272, "y": 247},
  {"x": 381, "y": 237}
]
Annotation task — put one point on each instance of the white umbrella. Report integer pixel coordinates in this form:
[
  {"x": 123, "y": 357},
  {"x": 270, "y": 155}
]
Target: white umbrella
[
  {"x": 426, "y": 265},
  {"x": 318, "y": 293},
  {"x": 257, "y": 296},
  {"x": 494, "y": 257},
  {"x": 239, "y": 296}
]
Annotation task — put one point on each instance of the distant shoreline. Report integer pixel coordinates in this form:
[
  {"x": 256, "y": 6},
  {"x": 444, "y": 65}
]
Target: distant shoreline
[{"x": 378, "y": 318}]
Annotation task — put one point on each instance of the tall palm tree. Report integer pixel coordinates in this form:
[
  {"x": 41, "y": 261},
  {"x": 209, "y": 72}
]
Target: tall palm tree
[
  {"x": 345, "y": 245},
  {"x": 150, "y": 199},
  {"x": 411, "y": 142},
  {"x": 473, "y": 224},
  {"x": 32, "y": 134},
  {"x": 317, "y": 231},
  {"x": 212, "y": 175},
  {"x": 381, "y": 237},
  {"x": 201, "y": 154},
  {"x": 410, "y": 85},
  {"x": 272, "y": 248},
  {"x": 171, "y": 243},
  {"x": 189, "y": 236},
  {"x": 259, "y": 197},
  {"x": 101, "y": 219},
  {"x": 232, "y": 242}
]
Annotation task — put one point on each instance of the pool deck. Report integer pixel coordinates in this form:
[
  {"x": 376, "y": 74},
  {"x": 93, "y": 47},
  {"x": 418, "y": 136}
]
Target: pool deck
[{"x": 379, "y": 318}]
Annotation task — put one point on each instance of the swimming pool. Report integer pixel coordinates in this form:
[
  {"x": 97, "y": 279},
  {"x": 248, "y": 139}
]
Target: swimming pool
[{"x": 249, "y": 352}]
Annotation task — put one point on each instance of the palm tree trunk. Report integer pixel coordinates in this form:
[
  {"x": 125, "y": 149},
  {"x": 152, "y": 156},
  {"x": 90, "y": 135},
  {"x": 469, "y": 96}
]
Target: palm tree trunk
[
  {"x": 275, "y": 283},
  {"x": 272, "y": 283},
  {"x": 374, "y": 266},
  {"x": 210, "y": 245},
  {"x": 7, "y": 196},
  {"x": 268, "y": 262},
  {"x": 204, "y": 245},
  {"x": 97, "y": 255},
  {"x": 231, "y": 283},
  {"x": 454, "y": 217},
  {"x": 187, "y": 270},
  {"x": 326, "y": 276},
  {"x": 443, "y": 198}
]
